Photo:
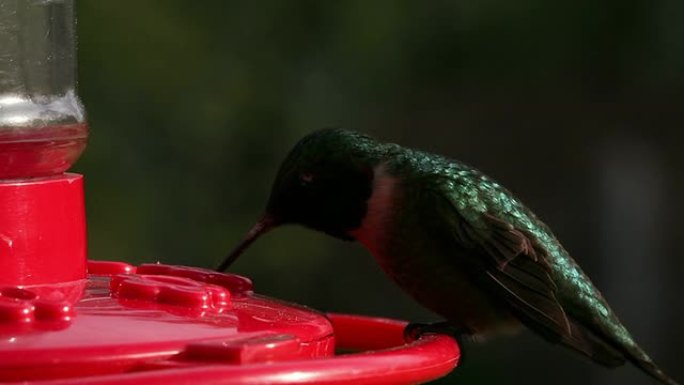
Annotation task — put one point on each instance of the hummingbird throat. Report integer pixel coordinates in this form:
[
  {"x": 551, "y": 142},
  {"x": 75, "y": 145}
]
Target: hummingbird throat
[{"x": 380, "y": 207}]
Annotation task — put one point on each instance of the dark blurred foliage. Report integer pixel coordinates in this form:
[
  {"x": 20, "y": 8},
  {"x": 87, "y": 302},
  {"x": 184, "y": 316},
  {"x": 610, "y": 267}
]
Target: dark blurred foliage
[{"x": 574, "y": 105}]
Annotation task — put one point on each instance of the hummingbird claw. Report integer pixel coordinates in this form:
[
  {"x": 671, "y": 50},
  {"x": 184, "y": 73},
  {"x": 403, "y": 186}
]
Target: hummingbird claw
[{"x": 414, "y": 331}]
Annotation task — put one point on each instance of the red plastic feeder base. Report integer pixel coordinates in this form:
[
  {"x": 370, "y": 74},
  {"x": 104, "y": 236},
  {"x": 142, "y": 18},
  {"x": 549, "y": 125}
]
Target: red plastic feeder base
[{"x": 160, "y": 324}]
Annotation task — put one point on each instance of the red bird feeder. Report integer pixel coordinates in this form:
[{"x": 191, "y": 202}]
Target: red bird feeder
[{"x": 64, "y": 320}]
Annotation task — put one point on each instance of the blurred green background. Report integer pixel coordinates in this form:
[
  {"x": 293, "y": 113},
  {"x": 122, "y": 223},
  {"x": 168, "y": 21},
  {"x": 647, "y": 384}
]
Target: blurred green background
[{"x": 576, "y": 106}]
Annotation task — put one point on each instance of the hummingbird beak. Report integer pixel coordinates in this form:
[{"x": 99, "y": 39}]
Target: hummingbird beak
[{"x": 265, "y": 224}]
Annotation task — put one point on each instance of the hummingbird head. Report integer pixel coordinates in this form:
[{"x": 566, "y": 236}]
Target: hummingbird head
[{"x": 324, "y": 184}]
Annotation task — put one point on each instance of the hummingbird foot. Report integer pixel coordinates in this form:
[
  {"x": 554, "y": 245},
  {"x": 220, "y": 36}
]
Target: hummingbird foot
[{"x": 414, "y": 331}]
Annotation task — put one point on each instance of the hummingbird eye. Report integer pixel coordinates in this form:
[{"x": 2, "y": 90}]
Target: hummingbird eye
[{"x": 305, "y": 179}]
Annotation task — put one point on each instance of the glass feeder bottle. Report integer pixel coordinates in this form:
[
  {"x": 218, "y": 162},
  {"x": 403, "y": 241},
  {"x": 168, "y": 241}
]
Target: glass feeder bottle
[{"x": 43, "y": 128}]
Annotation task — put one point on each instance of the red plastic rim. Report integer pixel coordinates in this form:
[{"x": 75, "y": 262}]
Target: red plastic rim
[{"x": 426, "y": 359}]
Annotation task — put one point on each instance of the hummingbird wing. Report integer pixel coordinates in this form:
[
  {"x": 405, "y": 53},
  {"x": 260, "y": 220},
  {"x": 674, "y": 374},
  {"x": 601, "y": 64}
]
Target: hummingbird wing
[{"x": 513, "y": 267}]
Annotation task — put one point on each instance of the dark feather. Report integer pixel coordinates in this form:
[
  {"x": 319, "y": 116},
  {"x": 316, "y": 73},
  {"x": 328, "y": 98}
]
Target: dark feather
[
  {"x": 530, "y": 294},
  {"x": 588, "y": 343},
  {"x": 516, "y": 270}
]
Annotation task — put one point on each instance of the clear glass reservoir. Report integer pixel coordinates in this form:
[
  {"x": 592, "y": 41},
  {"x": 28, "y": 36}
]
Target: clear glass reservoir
[{"x": 43, "y": 128}]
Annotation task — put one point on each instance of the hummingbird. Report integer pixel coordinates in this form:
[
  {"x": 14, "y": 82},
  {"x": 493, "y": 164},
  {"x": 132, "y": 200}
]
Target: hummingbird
[{"x": 454, "y": 239}]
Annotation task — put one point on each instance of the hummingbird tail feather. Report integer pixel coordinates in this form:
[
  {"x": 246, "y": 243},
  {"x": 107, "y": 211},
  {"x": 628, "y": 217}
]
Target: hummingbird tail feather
[
  {"x": 600, "y": 351},
  {"x": 643, "y": 362},
  {"x": 610, "y": 355}
]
